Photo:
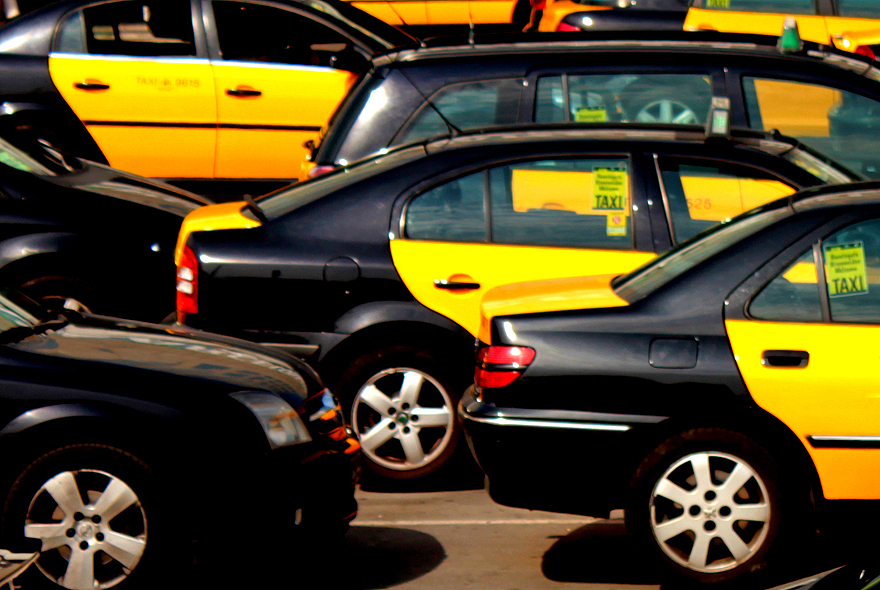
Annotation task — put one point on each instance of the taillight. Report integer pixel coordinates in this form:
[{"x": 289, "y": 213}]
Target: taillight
[
  {"x": 567, "y": 28},
  {"x": 866, "y": 51},
  {"x": 320, "y": 169},
  {"x": 538, "y": 4},
  {"x": 499, "y": 366},
  {"x": 187, "y": 284}
]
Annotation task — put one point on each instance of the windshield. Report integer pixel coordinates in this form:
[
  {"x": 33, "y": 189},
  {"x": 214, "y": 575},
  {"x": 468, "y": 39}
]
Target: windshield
[
  {"x": 660, "y": 271},
  {"x": 289, "y": 198}
]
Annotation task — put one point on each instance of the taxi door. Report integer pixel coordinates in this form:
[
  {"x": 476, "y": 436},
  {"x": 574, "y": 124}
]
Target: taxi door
[
  {"x": 514, "y": 223},
  {"x": 736, "y": 16},
  {"x": 808, "y": 351},
  {"x": 131, "y": 73},
  {"x": 279, "y": 76}
]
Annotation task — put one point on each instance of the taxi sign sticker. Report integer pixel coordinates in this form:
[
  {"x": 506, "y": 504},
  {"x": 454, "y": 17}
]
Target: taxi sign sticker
[
  {"x": 591, "y": 115},
  {"x": 717, "y": 3},
  {"x": 845, "y": 270},
  {"x": 616, "y": 225},
  {"x": 610, "y": 187}
]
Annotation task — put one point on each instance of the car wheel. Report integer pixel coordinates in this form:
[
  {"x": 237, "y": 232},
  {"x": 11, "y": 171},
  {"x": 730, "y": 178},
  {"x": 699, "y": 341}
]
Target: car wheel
[
  {"x": 93, "y": 510},
  {"x": 708, "y": 503},
  {"x": 403, "y": 407}
]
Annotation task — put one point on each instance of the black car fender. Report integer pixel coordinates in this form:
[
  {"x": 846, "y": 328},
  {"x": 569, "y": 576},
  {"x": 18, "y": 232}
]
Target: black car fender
[
  {"x": 378, "y": 312},
  {"x": 40, "y": 252}
]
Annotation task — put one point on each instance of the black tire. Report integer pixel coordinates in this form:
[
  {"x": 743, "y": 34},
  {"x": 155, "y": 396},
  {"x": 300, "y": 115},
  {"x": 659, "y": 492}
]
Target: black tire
[
  {"x": 146, "y": 549},
  {"x": 439, "y": 391},
  {"x": 690, "y": 525}
]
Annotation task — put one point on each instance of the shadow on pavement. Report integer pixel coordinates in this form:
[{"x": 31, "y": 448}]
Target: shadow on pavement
[
  {"x": 463, "y": 475},
  {"x": 382, "y": 557}
]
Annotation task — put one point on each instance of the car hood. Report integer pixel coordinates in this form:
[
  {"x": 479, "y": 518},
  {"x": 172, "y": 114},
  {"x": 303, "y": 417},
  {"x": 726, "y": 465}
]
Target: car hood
[
  {"x": 216, "y": 361},
  {"x": 547, "y": 295}
]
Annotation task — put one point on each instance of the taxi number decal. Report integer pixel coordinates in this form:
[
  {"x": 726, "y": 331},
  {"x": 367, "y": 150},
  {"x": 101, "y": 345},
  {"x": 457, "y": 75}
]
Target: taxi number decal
[
  {"x": 168, "y": 83},
  {"x": 616, "y": 225},
  {"x": 609, "y": 189},
  {"x": 591, "y": 115},
  {"x": 717, "y": 3},
  {"x": 845, "y": 269}
]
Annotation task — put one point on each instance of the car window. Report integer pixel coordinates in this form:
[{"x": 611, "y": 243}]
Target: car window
[
  {"x": 775, "y": 6},
  {"x": 143, "y": 29},
  {"x": 858, "y": 8},
  {"x": 699, "y": 194},
  {"x": 260, "y": 33},
  {"x": 648, "y": 98},
  {"x": 466, "y": 106},
  {"x": 793, "y": 296},
  {"x": 851, "y": 259},
  {"x": 835, "y": 122},
  {"x": 564, "y": 202}
]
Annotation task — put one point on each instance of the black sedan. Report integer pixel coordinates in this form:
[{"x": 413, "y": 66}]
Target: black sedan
[
  {"x": 124, "y": 441},
  {"x": 74, "y": 229},
  {"x": 724, "y": 395}
]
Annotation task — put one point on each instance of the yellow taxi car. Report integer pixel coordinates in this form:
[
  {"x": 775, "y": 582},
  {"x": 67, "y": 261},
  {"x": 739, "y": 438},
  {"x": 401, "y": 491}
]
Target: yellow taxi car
[
  {"x": 725, "y": 394},
  {"x": 819, "y": 21},
  {"x": 186, "y": 90}
]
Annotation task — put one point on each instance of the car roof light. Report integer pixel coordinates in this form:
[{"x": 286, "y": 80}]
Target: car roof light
[
  {"x": 790, "y": 40},
  {"x": 718, "y": 124}
]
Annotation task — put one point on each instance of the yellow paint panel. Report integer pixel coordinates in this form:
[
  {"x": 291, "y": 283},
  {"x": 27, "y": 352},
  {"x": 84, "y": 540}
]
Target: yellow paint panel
[
  {"x": 719, "y": 198},
  {"x": 591, "y": 292},
  {"x": 802, "y": 272},
  {"x": 858, "y": 31},
  {"x": 811, "y": 27},
  {"x": 559, "y": 9},
  {"x": 563, "y": 190},
  {"x": 212, "y": 217},
  {"x": 380, "y": 10},
  {"x": 420, "y": 262},
  {"x": 836, "y": 394},
  {"x": 795, "y": 108},
  {"x": 246, "y": 153},
  {"x": 492, "y": 11},
  {"x": 158, "y": 152},
  {"x": 411, "y": 13},
  {"x": 448, "y": 12}
]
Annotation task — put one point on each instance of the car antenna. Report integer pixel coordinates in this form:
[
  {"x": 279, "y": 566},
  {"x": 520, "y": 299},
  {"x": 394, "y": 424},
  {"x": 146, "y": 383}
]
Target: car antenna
[
  {"x": 453, "y": 130},
  {"x": 471, "y": 40},
  {"x": 255, "y": 209}
]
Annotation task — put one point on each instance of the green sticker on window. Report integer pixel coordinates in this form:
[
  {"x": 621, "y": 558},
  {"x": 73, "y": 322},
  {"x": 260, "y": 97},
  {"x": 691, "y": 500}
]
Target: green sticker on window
[
  {"x": 591, "y": 115},
  {"x": 718, "y": 4},
  {"x": 609, "y": 189},
  {"x": 845, "y": 270}
]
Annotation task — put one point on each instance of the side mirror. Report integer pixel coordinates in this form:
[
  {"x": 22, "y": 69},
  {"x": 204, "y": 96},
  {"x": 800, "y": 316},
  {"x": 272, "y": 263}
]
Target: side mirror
[{"x": 340, "y": 56}]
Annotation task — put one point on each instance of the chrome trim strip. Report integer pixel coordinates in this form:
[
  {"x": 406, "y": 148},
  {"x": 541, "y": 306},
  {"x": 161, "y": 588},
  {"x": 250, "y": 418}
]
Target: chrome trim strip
[
  {"x": 548, "y": 424},
  {"x": 826, "y": 441}
]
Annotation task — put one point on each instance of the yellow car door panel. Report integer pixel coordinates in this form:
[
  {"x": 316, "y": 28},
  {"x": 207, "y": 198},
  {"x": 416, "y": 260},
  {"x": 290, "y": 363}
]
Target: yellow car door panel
[{"x": 811, "y": 27}]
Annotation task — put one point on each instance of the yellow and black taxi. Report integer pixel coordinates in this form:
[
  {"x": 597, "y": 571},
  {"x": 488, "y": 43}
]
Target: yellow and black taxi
[
  {"x": 186, "y": 90},
  {"x": 377, "y": 269},
  {"x": 721, "y": 394},
  {"x": 827, "y": 22},
  {"x": 827, "y": 99}
]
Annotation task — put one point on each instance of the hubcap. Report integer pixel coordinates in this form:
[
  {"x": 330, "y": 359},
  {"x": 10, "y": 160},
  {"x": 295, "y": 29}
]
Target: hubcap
[
  {"x": 710, "y": 512},
  {"x": 88, "y": 544},
  {"x": 403, "y": 418},
  {"x": 667, "y": 111}
]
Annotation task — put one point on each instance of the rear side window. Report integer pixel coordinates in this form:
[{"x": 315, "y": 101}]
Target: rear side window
[
  {"x": 141, "y": 29},
  {"x": 838, "y": 123},
  {"x": 700, "y": 194},
  {"x": 563, "y": 202},
  {"x": 776, "y": 6},
  {"x": 858, "y": 8},
  {"x": 681, "y": 99},
  {"x": 466, "y": 106}
]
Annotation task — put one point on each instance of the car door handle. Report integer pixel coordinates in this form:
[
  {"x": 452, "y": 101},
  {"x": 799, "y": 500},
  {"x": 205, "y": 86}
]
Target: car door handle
[
  {"x": 91, "y": 85},
  {"x": 791, "y": 359},
  {"x": 243, "y": 92},
  {"x": 455, "y": 285}
]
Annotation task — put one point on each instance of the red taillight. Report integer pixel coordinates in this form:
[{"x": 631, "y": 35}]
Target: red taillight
[
  {"x": 567, "y": 28},
  {"x": 320, "y": 169},
  {"x": 499, "y": 366},
  {"x": 866, "y": 51},
  {"x": 538, "y": 4},
  {"x": 187, "y": 284}
]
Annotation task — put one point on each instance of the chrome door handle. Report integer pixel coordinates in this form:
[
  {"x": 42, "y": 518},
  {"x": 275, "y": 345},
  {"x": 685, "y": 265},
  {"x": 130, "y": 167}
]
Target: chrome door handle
[
  {"x": 91, "y": 85},
  {"x": 243, "y": 92},
  {"x": 789, "y": 359},
  {"x": 454, "y": 285}
]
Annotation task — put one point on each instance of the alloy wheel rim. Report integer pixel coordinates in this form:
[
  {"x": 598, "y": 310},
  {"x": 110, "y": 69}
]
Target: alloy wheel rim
[
  {"x": 710, "y": 512},
  {"x": 92, "y": 527},
  {"x": 668, "y": 111},
  {"x": 403, "y": 418}
]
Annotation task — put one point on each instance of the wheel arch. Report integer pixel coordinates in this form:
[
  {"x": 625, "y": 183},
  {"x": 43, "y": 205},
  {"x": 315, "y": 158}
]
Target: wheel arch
[{"x": 59, "y": 120}]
